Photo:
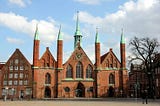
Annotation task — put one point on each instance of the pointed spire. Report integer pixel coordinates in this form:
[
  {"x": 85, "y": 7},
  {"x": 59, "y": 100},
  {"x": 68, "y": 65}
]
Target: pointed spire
[
  {"x": 78, "y": 35},
  {"x": 77, "y": 25},
  {"x": 122, "y": 38},
  {"x": 97, "y": 36},
  {"x": 36, "y": 37},
  {"x": 60, "y": 37}
]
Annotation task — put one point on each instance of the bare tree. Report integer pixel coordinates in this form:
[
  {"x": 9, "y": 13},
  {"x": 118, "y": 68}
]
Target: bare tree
[{"x": 144, "y": 50}]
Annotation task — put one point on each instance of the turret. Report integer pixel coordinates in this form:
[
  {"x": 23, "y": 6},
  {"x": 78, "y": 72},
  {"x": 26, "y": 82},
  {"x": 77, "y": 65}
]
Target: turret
[
  {"x": 59, "y": 64},
  {"x": 123, "y": 51},
  {"x": 59, "y": 49},
  {"x": 97, "y": 51},
  {"x": 36, "y": 49}
]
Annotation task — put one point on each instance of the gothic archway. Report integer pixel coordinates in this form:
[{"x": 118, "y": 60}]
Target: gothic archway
[
  {"x": 47, "y": 92},
  {"x": 80, "y": 90},
  {"x": 111, "y": 91}
]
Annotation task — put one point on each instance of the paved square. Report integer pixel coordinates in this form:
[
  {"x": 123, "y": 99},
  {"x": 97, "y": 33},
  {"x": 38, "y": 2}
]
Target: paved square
[{"x": 75, "y": 103}]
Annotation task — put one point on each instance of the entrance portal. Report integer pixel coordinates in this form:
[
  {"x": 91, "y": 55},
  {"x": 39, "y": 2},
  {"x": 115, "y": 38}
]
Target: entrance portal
[
  {"x": 111, "y": 91},
  {"x": 80, "y": 90},
  {"x": 47, "y": 92}
]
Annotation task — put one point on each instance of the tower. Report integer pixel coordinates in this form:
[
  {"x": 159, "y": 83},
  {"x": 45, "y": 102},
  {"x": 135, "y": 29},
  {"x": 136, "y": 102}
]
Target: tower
[
  {"x": 123, "y": 51},
  {"x": 59, "y": 49},
  {"x": 59, "y": 63},
  {"x": 97, "y": 51},
  {"x": 78, "y": 35},
  {"x": 123, "y": 71},
  {"x": 97, "y": 61},
  {"x": 35, "y": 61},
  {"x": 36, "y": 48}
]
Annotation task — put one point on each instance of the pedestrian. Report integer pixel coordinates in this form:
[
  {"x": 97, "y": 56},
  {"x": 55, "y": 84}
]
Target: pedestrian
[{"x": 144, "y": 97}]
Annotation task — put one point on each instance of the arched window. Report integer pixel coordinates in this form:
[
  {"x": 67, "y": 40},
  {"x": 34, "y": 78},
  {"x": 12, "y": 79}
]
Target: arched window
[
  {"x": 79, "y": 70},
  {"x": 89, "y": 72},
  {"x": 47, "y": 78},
  {"x": 111, "y": 79},
  {"x": 69, "y": 72}
]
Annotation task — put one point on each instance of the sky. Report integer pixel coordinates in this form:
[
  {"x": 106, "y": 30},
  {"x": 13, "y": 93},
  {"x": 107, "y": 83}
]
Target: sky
[{"x": 18, "y": 19}]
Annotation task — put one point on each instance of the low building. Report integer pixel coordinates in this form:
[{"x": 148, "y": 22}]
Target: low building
[
  {"x": 137, "y": 80},
  {"x": 1, "y": 66},
  {"x": 157, "y": 75}
]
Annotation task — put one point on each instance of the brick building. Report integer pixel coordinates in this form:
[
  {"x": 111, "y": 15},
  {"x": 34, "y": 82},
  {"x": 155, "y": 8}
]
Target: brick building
[
  {"x": 137, "y": 80},
  {"x": 1, "y": 66},
  {"x": 16, "y": 77},
  {"x": 76, "y": 77},
  {"x": 157, "y": 75}
]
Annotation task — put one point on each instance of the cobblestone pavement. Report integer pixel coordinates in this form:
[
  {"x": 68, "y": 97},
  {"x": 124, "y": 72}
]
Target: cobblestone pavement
[{"x": 76, "y": 103}]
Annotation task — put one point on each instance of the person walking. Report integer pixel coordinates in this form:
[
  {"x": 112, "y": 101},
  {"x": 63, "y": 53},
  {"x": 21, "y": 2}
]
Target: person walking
[{"x": 144, "y": 97}]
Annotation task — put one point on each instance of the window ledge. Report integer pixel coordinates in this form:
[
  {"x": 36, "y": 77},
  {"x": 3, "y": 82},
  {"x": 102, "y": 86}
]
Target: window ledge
[{"x": 47, "y": 84}]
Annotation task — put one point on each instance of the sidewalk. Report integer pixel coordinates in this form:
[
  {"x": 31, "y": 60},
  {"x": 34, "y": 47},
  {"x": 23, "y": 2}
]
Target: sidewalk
[
  {"x": 91, "y": 99},
  {"x": 77, "y": 102}
]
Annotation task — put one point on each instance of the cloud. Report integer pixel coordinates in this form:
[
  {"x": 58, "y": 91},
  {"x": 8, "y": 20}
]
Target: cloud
[
  {"x": 138, "y": 18},
  {"x": 88, "y": 18},
  {"x": 48, "y": 29},
  {"x": 92, "y": 2},
  {"x": 19, "y": 3},
  {"x": 14, "y": 40}
]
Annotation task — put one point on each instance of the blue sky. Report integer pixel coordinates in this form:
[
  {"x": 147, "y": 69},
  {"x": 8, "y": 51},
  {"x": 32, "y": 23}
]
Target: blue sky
[{"x": 18, "y": 19}]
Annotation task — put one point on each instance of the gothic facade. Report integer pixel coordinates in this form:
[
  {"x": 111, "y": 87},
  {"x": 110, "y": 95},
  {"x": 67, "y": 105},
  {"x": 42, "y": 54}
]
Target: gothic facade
[
  {"x": 49, "y": 77},
  {"x": 78, "y": 76}
]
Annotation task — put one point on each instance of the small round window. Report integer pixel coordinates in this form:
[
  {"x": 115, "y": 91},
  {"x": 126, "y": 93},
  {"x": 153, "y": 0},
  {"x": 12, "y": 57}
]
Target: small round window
[{"x": 67, "y": 89}]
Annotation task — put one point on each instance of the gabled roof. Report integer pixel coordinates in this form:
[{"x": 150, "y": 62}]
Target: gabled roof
[
  {"x": 47, "y": 52},
  {"x": 17, "y": 51},
  {"x": 103, "y": 57},
  {"x": 78, "y": 48}
]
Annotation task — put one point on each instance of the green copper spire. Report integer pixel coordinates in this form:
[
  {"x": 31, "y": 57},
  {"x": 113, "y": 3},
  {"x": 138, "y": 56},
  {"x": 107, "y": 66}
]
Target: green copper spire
[
  {"x": 36, "y": 37},
  {"x": 97, "y": 36},
  {"x": 77, "y": 25},
  {"x": 122, "y": 38},
  {"x": 60, "y": 37},
  {"x": 78, "y": 35}
]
